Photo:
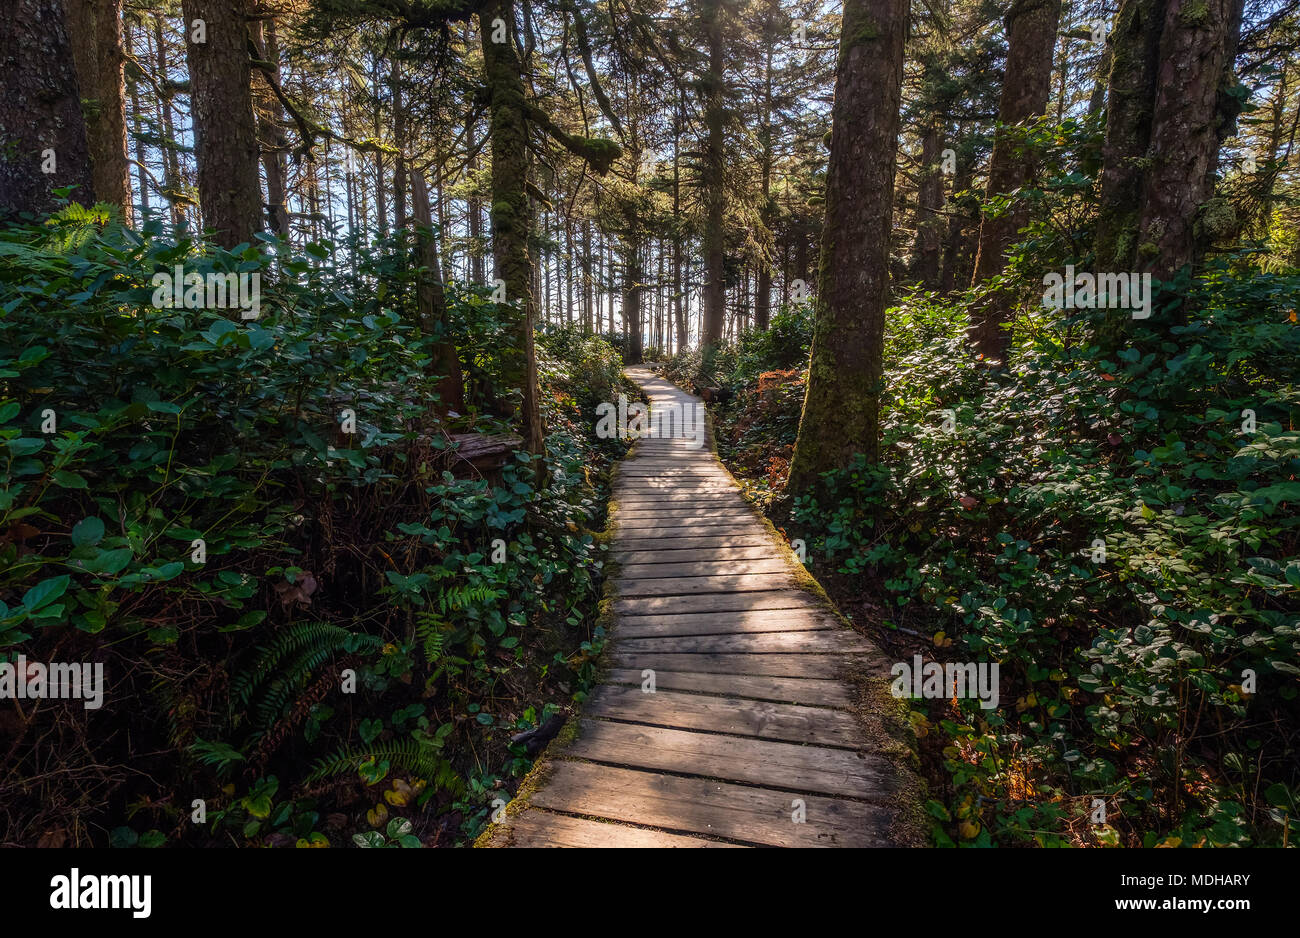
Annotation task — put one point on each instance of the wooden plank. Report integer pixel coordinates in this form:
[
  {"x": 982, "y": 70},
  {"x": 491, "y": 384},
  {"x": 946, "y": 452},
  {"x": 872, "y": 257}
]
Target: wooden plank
[
  {"x": 739, "y": 717},
  {"x": 713, "y": 602},
  {"x": 798, "y": 619},
  {"x": 841, "y": 772},
  {"x": 709, "y": 567},
  {"x": 691, "y": 542},
  {"x": 815, "y": 666},
  {"x": 808, "y": 691},
  {"x": 640, "y": 527},
  {"x": 533, "y": 828},
  {"x": 825, "y": 642},
  {"x": 701, "y": 585},
  {"x": 737, "y": 514},
  {"x": 635, "y": 558},
  {"x": 720, "y": 809}
]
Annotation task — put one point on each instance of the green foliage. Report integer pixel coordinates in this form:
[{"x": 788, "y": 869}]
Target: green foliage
[
  {"x": 1122, "y": 677},
  {"x": 197, "y": 495}
]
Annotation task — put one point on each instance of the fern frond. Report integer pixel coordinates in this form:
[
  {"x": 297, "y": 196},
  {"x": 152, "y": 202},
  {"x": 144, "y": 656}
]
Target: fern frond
[
  {"x": 293, "y": 638},
  {"x": 413, "y": 757}
]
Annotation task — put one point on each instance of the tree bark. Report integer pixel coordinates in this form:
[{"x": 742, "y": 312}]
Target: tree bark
[
  {"x": 1031, "y": 42},
  {"x": 221, "y": 103},
  {"x": 95, "y": 34},
  {"x": 511, "y": 211},
  {"x": 40, "y": 111},
  {"x": 272, "y": 140},
  {"x": 841, "y": 412},
  {"x": 431, "y": 304},
  {"x": 1169, "y": 109},
  {"x": 929, "y": 202},
  {"x": 714, "y": 292}
]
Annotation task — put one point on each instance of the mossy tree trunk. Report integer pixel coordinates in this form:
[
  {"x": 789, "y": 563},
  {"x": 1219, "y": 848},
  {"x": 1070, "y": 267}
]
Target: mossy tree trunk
[
  {"x": 40, "y": 111},
  {"x": 841, "y": 411},
  {"x": 714, "y": 293},
  {"x": 1026, "y": 84},
  {"x": 929, "y": 203},
  {"x": 1170, "y": 104},
  {"x": 221, "y": 102},
  {"x": 95, "y": 31},
  {"x": 511, "y": 213},
  {"x": 431, "y": 302},
  {"x": 1179, "y": 215},
  {"x": 271, "y": 137}
]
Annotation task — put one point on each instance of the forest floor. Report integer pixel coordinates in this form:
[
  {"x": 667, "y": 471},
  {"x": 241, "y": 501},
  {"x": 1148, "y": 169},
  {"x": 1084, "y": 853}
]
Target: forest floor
[{"x": 735, "y": 707}]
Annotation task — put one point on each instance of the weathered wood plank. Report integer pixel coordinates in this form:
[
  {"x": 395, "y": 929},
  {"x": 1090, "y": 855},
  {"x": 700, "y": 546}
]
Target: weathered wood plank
[
  {"x": 840, "y": 772},
  {"x": 719, "y": 809},
  {"x": 702, "y": 567},
  {"x": 544, "y": 829},
  {"x": 665, "y": 556},
  {"x": 693, "y": 542},
  {"x": 701, "y": 585},
  {"x": 807, "y": 691},
  {"x": 713, "y": 602},
  {"x": 815, "y": 666},
  {"x": 798, "y": 619},
  {"x": 737, "y": 716},
  {"x": 826, "y": 642}
]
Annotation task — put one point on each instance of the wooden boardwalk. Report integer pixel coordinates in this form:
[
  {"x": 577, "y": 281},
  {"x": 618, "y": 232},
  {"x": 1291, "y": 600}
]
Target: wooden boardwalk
[{"x": 759, "y": 730}]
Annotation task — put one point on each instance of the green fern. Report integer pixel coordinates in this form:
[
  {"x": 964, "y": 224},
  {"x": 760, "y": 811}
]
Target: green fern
[
  {"x": 216, "y": 753},
  {"x": 412, "y": 756},
  {"x": 430, "y": 631},
  {"x": 74, "y": 226},
  {"x": 284, "y": 666},
  {"x": 431, "y": 627}
]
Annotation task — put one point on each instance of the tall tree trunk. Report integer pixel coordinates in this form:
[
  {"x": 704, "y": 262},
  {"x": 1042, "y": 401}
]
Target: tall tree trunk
[
  {"x": 381, "y": 197},
  {"x": 1170, "y": 107},
  {"x": 1174, "y": 225},
  {"x": 271, "y": 137},
  {"x": 95, "y": 28},
  {"x": 586, "y": 276},
  {"x": 399, "y": 166},
  {"x": 221, "y": 102},
  {"x": 431, "y": 303},
  {"x": 172, "y": 181},
  {"x": 715, "y": 296},
  {"x": 1026, "y": 85},
  {"x": 511, "y": 211},
  {"x": 137, "y": 127},
  {"x": 763, "y": 292},
  {"x": 632, "y": 289},
  {"x": 956, "y": 251},
  {"x": 841, "y": 411},
  {"x": 679, "y": 295},
  {"x": 1135, "y": 52},
  {"x": 40, "y": 112},
  {"x": 929, "y": 202},
  {"x": 473, "y": 209}
]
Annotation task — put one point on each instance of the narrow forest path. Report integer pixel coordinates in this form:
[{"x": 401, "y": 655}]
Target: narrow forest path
[{"x": 760, "y": 729}]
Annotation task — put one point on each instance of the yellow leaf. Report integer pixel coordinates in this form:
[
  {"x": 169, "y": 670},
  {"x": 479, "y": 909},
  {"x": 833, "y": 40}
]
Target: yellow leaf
[
  {"x": 969, "y": 830},
  {"x": 377, "y": 815},
  {"x": 398, "y": 799}
]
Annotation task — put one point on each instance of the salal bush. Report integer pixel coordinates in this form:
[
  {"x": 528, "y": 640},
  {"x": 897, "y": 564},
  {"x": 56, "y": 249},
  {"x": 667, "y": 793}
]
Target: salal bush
[
  {"x": 1121, "y": 532},
  {"x": 180, "y": 500}
]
